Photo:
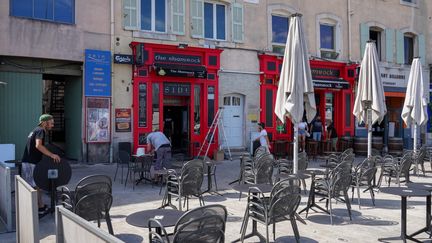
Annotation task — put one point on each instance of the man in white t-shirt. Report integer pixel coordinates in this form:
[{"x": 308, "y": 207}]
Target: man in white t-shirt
[{"x": 263, "y": 138}]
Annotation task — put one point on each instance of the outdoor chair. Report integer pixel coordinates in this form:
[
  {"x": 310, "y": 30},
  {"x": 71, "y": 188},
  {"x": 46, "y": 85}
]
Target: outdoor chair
[
  {"x": 123, "y": 161},
  {"x": 188, "y": 183},
  {"x": 207, "y": 162},
  {"x": 286, "y": 166},
  {"x": 335, "y": 186},
  {"x": 87, "y": 185},
  {"x": 363, "y": 176},
  {"x": 203, "y": 224},
  {"x": 280, "y": 206},
  {"x": 140, "y": 165},
  {"x": 419, "y": 159},
  {"x": 400, "y": 167},
  {"x": 261, "y": 172},
  {"x": 95, "y": 206}
]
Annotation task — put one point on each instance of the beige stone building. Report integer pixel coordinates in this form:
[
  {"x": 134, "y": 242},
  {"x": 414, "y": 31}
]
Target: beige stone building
[{"x": 180, "y": 95}]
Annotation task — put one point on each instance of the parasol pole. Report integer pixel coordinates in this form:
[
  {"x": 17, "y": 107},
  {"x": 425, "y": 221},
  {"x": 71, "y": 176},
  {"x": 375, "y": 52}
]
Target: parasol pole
[
  {"x": 369, "y": 125},
  {"x": 415, "y": 146},
  {"x": 295, "y": 154}
]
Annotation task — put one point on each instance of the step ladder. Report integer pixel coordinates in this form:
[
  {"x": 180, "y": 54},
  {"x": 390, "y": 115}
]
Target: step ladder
[{"x": 209, "y": 138}]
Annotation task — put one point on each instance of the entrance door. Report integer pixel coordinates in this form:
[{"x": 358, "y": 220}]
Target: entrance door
[
  {"x": 233, "y": 121},
  {"x": 72, "y": 117},
  {"x": 176, "y": 127}
]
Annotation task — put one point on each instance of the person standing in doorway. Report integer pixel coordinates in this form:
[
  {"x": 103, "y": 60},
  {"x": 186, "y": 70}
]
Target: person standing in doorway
[
  {"x": 332, "y": 135},
  {"x": 158, "y": 142},
  {"x": 34, "y": 150},
  {"x": 263, "y": 138},
  {"x": 317, "y": 128},
  {"x": 302, "y": 132}
]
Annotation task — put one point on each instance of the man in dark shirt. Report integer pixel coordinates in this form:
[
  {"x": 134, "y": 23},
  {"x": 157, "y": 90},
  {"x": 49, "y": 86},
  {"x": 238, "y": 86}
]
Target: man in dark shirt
[{"x": 34, "y": 151}]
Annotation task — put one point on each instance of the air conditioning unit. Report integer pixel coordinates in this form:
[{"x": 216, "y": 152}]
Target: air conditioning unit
[{"x": 329, "y": 54}]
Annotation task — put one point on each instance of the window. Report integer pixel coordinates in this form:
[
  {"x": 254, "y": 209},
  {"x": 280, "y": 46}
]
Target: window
[
  {"x": 214, "y": 21},
  {"x": 327, "y": 37},
  {"x": 412, "y": 3},
  {"x": 153, "y": 15},
  {"x": 375, "y": 35},
  {"x": 279, "y": 33},
  {"x": 62, "y": 11},
  {"x": 197, "y": 108},
  {"x": 408, "y": 48}
]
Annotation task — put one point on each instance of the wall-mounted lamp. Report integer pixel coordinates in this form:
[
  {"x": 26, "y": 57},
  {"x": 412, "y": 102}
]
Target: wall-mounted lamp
[{"x": 182, "y": 45}]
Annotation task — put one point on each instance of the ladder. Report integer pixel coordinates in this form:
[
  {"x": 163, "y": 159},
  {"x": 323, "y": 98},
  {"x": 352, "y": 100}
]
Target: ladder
[{"x": 209, "y": 138}]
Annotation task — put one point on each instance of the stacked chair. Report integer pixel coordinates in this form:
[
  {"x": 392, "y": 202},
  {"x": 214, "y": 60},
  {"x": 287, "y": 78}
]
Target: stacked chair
[
  {"x": 281, "y": 205},
  {"x": 363, "y": 176},
  {"x": 184, "y": 185},
  {"x": 91, "y": 199},
  {"x": 203, "y": 224}
]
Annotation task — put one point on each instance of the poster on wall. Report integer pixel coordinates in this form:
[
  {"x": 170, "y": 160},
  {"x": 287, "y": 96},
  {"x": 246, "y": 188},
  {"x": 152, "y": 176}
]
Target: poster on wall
[
  {"x": 123, "y": 120},
  {"x": 98, "y": 119}
]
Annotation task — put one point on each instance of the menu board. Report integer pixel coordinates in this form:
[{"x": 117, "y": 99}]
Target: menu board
[
  {"x": 123, "y": 120},
  {"x": 98, "y": 119},
  {"x": 142, "y": 111}
]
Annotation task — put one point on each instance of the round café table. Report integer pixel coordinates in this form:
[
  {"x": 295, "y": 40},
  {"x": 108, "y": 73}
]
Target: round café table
[
  {"x": 264, "y": 188},
  {"x": 300, "y": 175},
  {"x": 166, "y": 217},
  {"x": 405, "y": 192}
]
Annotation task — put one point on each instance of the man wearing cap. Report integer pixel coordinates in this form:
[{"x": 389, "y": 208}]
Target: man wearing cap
[{"x": 33, "y": 152}]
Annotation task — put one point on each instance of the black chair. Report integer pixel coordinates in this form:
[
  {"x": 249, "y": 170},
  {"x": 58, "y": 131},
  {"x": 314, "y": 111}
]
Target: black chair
[
  {"x": 140, "y": 165},
  {"x": 212, "y": 169},
  {"x": 280, "y": 206},
  {"x": 335, "y": 186},
  {"x": 125, "y": 146},
  {"x": 188, "y": 183},
  {"x": 203, "y": 224},
  {"x": 399, "y": 167},
  {"x": 95, "y": 206},
  {"x": 123, "y": 161},
  {"x": 363, "y": 176},
  {"x": 87, "y": 185}
]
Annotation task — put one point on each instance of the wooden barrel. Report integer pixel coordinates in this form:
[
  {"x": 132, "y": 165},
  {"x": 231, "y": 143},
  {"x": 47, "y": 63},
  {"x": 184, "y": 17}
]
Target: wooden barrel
[
  {"x": 377, "y": 143},
  {"x": 395, "y": 146},
  {"x": 360, "y": 146}
]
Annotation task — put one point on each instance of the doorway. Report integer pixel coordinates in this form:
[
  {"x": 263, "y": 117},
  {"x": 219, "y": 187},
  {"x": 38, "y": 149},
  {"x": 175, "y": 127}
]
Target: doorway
[
  {"x": 233, "y": 120},
  {"x": 176, "y": 127}
]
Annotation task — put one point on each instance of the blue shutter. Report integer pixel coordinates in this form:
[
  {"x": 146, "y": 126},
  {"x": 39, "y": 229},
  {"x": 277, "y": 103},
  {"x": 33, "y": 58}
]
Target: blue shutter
[
  {"x": 389, "y": 35},
  {"x": 364, "y": 37},
  {"x": 422, "y": 48},
  {"x": 399, "y": 47}
]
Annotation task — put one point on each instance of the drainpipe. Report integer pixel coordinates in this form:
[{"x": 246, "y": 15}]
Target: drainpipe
[
  {"x": 349, "y": 29},
  {"x": 112, "y": 29}
]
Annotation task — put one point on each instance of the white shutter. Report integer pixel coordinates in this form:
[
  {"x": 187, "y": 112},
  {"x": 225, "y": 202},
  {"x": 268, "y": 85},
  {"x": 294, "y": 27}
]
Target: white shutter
[
  {"x": 197, "y": 15},
  {"x": 364, "y": 37},
  {"x": 130, "y": 14},
  {"x": 237, "y": 22},
  {"x": 422, "y": 48},
  {"x": 389, "y": 35},
  {"x": 178, "y": 16},
  {"x": 400, "y": 55}
]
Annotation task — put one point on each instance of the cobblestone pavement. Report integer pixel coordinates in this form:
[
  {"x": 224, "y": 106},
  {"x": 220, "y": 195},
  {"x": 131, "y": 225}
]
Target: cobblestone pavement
[{"x": 368, "y": 224}]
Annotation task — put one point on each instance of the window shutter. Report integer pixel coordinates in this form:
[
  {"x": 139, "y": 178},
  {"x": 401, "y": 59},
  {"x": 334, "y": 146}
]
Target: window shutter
[
  {"x": 389, "y": 35},
  {"x": 422, "y": 48},
  {"x": 178, "y": 16},
  {"x": 399, "y": 47},
  {"x": 130, "y": 16},
  {"x": 237, "y": 22},
  {"x": 197, "y": 15},
  {"x": 364, "y": 37}
]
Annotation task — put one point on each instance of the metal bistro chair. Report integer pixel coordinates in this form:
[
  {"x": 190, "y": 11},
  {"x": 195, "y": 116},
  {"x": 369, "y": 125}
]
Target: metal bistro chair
[
  {"x": 363, "y": 176},
  {"x": 203, "y": 224},
  {"x": 280, "y": 206},
  {"x": 335, "y": 186},
  {"x": 95, "y": 206},
  {"x": 87, "y": 185},
  {"x": 399, "y": 168},
  {"x": 123, "y": 160},
  {"x": 140, "y": 165},
  {"x": 187, "y": 184}
]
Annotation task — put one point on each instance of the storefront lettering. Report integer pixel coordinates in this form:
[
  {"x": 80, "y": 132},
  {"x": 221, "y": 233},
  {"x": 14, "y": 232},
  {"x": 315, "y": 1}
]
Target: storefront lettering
[
  {"x": 175, "y": 58},
  {"x": 123, "y": 59},
  {"x": 324, "y": 72},
  {"x": 392, "y": 76}
]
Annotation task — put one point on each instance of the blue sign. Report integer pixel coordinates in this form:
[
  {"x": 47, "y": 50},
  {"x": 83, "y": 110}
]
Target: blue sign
[{"x": 97, "y": 73}]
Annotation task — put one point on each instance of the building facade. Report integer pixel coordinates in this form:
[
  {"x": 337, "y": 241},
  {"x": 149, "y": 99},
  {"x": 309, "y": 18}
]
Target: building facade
[{"x": 175, "y": 62}]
